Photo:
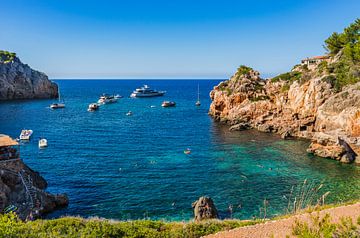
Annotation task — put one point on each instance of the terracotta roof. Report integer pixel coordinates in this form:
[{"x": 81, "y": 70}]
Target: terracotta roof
[
  {"x": 7, "y": 141},
  {"x": 318, "y": 57}
]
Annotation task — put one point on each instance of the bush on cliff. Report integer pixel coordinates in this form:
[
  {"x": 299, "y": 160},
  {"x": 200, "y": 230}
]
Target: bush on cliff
[
  {"x": 6, "y": 56},
  {"x": 243, "y": 70},
  {"x": 290, "y": 77},
  {"x": 346, "y": 46}
]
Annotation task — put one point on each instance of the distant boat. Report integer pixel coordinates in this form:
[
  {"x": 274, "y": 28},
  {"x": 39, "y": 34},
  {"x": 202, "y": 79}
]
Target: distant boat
[
  {"x": 168, "y": 104},
  {"x": 198, "y": 99},
  {"x": 129, "y": 113},
  {"x": 145, "y": 91},
  {"x": 58, "y": 104},
  {"x": 43, "y": 143},
  {"x": 25, "y": 134},
  {"x": 93, "y": 107},
  {"x": 187, "y": 151},
  {"x": 117, "y": 96},
  {"x": 105, "y": 98}
]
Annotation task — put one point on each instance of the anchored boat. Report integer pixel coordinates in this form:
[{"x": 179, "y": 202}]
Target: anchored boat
[
  {"x": 25, "y": 134},
  {"x": 93, "y": 107},
  {"x": 59, "y": 104},
  {"x": 43, "y": 143},
  {"x": 105, "y": 98},
  {"x": 145, "y": 91},
  {"x": 168, "y": 104}
]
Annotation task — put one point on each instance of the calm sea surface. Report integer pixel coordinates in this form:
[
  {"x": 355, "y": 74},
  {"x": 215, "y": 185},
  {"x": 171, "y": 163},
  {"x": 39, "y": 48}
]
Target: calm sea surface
[{"x": 129, "y": 167}]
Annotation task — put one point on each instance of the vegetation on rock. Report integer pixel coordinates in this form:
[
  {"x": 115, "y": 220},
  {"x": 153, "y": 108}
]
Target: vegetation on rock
[
  {"x": 346, "y": 47},
  {"x": 6, "y": 56},
  {"x": 243, "y": 70}
]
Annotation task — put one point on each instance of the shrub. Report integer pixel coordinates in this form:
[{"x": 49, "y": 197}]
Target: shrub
[
  {"x": 243, "y": 70},
  {"x": 289, "y": 76}
]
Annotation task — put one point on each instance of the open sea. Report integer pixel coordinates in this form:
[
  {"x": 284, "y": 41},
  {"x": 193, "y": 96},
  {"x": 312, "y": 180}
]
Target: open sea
[{"x": 133, "y": 167}]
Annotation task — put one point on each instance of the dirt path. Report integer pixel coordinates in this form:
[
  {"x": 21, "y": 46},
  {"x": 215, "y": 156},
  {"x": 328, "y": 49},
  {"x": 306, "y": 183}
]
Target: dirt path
[{"x": 283, "y": 227}]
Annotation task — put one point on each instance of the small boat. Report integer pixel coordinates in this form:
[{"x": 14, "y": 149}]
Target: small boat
[
  {"x": 187, "y": 151},
  {"x": 145, "y": 91},
  {"x": 117, "y": 96},
  {"x": 129, "y": 113},
  {"x": 168, "y": 104},
  {"x": 25, "y": 134},
  {"x": 93, "y": 107},
  {"x": 58, "y": 104},
  {"x": 43, "y": 143},
  {"x": 198, "y": 99},
  {"x": 105, "y": 98}
]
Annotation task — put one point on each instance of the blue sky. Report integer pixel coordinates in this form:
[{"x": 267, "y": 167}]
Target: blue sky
[{"x": 168, "y": 39}]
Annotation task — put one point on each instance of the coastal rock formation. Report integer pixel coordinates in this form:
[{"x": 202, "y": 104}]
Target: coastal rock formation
[
  {"x": 19, "y": 81},
  {"x": 23, "y": 188},
  {"x": 204, "y": 208},
  {"x": 302, "y": 103}
]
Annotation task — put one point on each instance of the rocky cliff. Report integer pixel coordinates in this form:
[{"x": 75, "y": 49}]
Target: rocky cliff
[
  {"x": 19, "y": 81},
  {"x": 302, "y": 103},
  {"x": 23, "y": 188}
]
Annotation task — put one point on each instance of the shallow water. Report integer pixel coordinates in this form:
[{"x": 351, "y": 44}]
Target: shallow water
[{"x": 127, "y": 167}]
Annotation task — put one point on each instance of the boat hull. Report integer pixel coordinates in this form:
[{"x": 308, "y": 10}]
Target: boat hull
[{"x": 138, "y": 95}]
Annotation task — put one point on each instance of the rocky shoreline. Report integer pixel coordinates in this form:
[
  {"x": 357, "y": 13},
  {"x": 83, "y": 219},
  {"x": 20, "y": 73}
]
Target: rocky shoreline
[
  {"x": 19, "y": 81},
  {"x": 23, "y": 188},
  {"x": 302, "y": 103}
]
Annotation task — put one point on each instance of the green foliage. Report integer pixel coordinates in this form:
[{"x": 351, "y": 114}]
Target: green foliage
[
  {"x": 347, "y": 68},
  {"x": 11, "y": 226},
  {"x": 323, "y": 228},
  {"x": 260, "y": 98},
  {"x": 243, "y": 70},
  {"x": 6, "y": 56},
  {"x": 289, "y": 76}
]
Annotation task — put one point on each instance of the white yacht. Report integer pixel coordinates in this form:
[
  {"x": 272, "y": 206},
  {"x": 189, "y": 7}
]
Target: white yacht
[
  {"x": 105, "y": 98},
  {"x": 145, "y": 91},
  {"x": 25, "y": 134}
]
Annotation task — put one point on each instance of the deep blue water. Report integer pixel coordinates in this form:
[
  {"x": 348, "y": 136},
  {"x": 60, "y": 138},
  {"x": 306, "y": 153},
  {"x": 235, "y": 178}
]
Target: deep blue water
[{"x": 121, "y": 167}]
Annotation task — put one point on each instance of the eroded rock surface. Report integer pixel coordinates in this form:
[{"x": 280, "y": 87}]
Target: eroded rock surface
[
  {"x": 19, "y": 81},
  {"x": 308, "y": 108}
]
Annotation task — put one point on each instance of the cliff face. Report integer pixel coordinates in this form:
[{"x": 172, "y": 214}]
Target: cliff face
[
  {"x": 19, "y": 81},
  {"x": 24, "y": 188},
  {"x": 306, "y": 106}
]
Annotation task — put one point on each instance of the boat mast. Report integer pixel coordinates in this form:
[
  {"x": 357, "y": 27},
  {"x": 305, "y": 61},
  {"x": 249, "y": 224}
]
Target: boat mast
[{"x": 198, "y": 93}]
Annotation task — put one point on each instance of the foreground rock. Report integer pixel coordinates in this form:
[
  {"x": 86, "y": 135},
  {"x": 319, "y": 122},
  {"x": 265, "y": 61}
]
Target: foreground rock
[
  {"x": 204, "y": 208},
  {"x": 19, "y": 81},
  {"x": 302, "y": 103},
  {"x": 24, "y": 188}
]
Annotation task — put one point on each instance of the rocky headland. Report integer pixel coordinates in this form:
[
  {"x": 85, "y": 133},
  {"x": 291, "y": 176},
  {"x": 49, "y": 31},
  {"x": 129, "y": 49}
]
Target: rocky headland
[
  {"x": 318, "y": 99},
  {"x": 23, "y": 188},
  {"x": 19, "y": 81}
]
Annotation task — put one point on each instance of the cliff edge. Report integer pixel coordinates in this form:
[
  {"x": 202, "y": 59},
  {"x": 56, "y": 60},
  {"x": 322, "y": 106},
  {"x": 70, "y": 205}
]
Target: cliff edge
[
  {"x": 318, "y": 99},
  {"x": 19, "y": 81}
]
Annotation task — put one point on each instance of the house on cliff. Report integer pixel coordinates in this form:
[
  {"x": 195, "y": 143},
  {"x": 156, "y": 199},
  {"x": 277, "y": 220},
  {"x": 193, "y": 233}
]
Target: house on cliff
[{"x": 313, "y": 61}]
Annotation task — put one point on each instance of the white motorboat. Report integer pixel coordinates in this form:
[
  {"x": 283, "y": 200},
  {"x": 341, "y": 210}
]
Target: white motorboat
[
  {"x": 145, "y": 91},
  {"x": 117, "y": 96},
  {"x": 25, "y": 134},
  {"x": 93, "y": 107},
  {"x": 59, "y": 104},
  {"x": 43, "y": 143},
  {"x": 129, "y": 113},
  {"x": 105, "y": 98},
  {"x": 168, "y": 104}
]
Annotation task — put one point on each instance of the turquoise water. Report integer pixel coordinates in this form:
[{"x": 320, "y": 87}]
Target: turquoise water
[{"x": 121, "y": 167}]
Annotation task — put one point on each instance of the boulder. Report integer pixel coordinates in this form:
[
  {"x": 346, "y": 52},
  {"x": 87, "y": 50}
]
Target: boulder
[{"x": 204, "y": 208}]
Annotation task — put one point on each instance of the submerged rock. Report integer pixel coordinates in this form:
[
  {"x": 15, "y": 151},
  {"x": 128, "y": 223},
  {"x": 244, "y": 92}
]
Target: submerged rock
[
  {"x": 19, "y": 81},
  {"x": 204, "y": 208}
]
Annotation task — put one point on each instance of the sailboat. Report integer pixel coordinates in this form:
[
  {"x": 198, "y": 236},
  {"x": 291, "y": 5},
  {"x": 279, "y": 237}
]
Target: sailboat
[
  {"x": 59, "y": 104},
  {"x": 198, "y": 100}
]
